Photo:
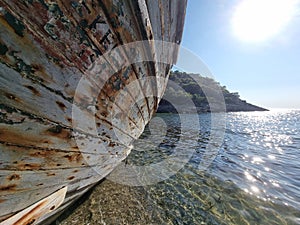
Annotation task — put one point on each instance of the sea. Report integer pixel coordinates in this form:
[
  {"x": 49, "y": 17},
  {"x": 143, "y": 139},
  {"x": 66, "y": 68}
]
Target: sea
[{"x": 193, "y": 169}]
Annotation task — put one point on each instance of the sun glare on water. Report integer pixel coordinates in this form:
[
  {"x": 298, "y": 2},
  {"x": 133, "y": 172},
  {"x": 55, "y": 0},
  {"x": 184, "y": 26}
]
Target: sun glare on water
[{"x": 259, "y": 20}]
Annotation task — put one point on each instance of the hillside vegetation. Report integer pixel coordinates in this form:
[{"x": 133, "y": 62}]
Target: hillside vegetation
[{"x": 204, "y": 92}]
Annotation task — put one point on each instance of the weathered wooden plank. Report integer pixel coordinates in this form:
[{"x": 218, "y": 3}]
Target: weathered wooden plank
[
  {"x": 113, "y": 29},
  {"x": 20, "y": 130},
  {"x": 20, "y": 158},
  {"x": 31, "y": 214},
  {"x": 156, "y": 21},
  {"x": 129, "y": 28},
  {"x": 155, "y": 18},
  {"x": 22, "y": 97},
  {"x": 91, "y": 19},
  {"x": 69, "y": 200},
  {"x": 117, "y": 83},
  {"x": 50, "y": 105},
  {"x": 58, "y": 88},
  {"x": 40, "y": 183},
  {"x": 45, "y": 20}
]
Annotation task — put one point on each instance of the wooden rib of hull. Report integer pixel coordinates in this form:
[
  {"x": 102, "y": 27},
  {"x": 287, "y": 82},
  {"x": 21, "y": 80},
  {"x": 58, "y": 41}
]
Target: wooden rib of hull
[{"x": 46, "y": 47}]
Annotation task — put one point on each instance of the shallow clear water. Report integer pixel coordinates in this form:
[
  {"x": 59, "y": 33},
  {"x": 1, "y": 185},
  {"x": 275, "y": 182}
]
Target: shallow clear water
[
  {"x": 253, "y": 179},
  {"x": 251, "y": 175}
]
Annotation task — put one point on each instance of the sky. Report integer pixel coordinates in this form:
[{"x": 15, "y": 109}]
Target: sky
[{"x": 251, "y": 49}]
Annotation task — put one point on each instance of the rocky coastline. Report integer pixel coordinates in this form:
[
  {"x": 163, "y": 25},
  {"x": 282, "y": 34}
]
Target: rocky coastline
[{"x": 184, "y": 87}]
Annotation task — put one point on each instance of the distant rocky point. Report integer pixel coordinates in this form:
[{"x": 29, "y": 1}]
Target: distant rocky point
[{"x": 183, "y": 87}]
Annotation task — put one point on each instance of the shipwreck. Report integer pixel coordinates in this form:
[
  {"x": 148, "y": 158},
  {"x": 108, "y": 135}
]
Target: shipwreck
[{"x": 61, "y": 78}]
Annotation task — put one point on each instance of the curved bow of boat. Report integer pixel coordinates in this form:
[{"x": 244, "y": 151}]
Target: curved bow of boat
[{"x": 46, "y": 49}]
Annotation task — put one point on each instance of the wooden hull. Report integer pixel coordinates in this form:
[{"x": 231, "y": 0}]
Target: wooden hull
[{"x": 46, "y": 49}]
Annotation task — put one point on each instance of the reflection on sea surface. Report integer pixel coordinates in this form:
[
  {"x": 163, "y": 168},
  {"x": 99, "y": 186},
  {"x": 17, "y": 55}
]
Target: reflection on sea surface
[{"x": 254, "y": 178}]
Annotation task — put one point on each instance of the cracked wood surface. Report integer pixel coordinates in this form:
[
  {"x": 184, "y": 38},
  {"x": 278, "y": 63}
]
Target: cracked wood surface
[{"x": 46, "y": 48}]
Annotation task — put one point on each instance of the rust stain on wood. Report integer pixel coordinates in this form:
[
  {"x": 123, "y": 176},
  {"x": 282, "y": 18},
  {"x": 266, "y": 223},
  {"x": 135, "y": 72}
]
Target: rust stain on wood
[
  {"x": 33, "y": 90},
  {"x": 61, "y": 105},
  {"x": 26, "y": 220},
  {"x": 60, "y": 132},
  {"x": 43, "y": 154},
  {"x": 29, "y": 166},
  {"x": 9, "y": 136},
  {"x": 71, "y": 178},
  {"x": 111, "y": 144},
  {"x": 50, "y": 174},
  {"x": 11, "y": 96},
  {"x": 41, "y": 208},
  {"x": 11, "y": 187},
  {"x": 14, "y": 177},
  {"x": 77, "y": 157}
]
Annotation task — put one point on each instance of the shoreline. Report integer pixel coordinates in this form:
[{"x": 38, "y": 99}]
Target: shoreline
[{"x": 111, "y": 203}]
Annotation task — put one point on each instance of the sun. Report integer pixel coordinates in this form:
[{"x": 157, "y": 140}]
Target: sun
[{"x": 260, "y": 20}]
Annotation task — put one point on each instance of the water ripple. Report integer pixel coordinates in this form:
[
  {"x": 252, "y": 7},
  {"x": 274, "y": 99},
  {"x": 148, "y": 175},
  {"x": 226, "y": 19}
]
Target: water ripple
[{"x": 253, "y": 180}]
